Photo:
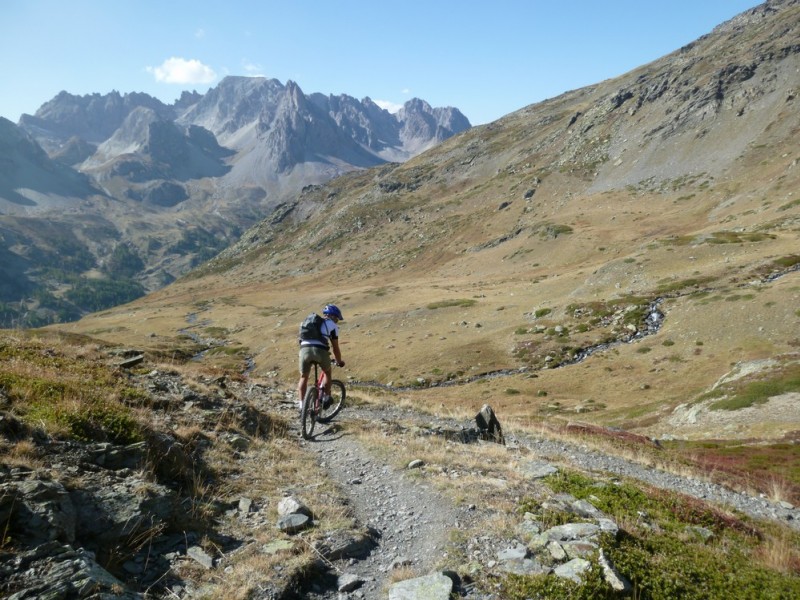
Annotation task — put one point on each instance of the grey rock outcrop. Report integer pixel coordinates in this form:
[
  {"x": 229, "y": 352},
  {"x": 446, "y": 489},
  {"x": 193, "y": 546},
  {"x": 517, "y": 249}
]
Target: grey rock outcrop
[
  {"x": 54, "y": 570},
  {"x": 430, "y": 587}
]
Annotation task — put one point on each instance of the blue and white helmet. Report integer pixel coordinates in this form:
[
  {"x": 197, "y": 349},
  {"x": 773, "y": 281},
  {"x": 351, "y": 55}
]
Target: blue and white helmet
[{"x": 333, "y": 311}]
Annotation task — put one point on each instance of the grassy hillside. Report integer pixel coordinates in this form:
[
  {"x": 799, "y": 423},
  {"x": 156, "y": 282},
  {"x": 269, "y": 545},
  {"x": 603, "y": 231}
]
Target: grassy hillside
[{"x": 517, "y": 245}]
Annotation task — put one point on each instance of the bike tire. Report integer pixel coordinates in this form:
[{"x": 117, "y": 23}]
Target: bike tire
[
  {"x": 308, "y": 414},
  {"x": 338, "y": 393}
]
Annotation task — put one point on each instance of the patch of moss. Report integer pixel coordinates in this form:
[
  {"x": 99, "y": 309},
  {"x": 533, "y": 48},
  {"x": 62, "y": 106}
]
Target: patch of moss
[
  {"x": 736, "y": 297},
  {"x": 461, "y": 302},
  {"x": 719, "y": 237},
  {"x": 789, "y": 205},
  {"x": 216, "y": 332},
  {"x": 552, "y": 231},
  {"x": 787, "y": 262}
]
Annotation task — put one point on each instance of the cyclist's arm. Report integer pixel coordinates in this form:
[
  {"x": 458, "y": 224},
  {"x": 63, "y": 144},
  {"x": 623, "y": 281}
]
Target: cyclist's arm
[{"x": 336, "y": 352}]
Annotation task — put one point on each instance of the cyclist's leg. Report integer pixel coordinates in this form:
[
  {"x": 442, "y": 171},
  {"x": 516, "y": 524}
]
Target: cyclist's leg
[
  {"x": 326, "y": 381},
  {"x": 306, "y": 359},
  {"x": 325, "y": 365}
]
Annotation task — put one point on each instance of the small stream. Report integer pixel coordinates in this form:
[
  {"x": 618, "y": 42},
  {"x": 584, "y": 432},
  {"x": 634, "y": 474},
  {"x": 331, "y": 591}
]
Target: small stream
[
  {"x": 209, "y": 343},
  {"x": 653, "y": 322}
]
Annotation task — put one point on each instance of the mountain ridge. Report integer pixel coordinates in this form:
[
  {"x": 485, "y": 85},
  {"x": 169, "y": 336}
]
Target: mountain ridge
[{"x": 175, "y": 184}]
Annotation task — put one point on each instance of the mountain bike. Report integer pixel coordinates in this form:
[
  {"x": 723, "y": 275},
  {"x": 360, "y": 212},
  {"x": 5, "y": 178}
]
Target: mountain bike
[{"x": 313, "y": 409}]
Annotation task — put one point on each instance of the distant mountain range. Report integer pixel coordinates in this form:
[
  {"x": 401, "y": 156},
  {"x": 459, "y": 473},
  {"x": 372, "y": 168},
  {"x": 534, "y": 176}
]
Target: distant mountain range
[{"x": 165, "y": 187}]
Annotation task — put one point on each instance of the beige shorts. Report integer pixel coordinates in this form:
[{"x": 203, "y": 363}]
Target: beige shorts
[{"x": 313, "y": 354}]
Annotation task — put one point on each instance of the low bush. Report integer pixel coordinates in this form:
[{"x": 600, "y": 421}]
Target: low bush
[{"x": 657, "y": 552}]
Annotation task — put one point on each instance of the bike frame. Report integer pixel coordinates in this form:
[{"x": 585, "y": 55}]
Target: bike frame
[
  {"x": 313, "y": 411},
  {"x": 320, "y": 380}
]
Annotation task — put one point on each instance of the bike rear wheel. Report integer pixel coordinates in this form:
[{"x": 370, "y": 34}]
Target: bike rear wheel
[
  {"x": 308, "y": 413},
  {"x": 338, "y": 394}
]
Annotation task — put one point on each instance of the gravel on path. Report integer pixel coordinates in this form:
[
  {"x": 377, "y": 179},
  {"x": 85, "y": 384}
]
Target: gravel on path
[{"x": 412, "y": 522}]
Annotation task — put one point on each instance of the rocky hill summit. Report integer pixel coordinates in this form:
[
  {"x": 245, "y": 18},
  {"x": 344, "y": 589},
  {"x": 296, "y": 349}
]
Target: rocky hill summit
[{"x": 171, "y": 185}]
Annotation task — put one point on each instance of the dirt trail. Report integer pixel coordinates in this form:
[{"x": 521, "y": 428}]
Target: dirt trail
[
  {"x": 409, "y": 520},
  {"x": 412, "y": 523}
]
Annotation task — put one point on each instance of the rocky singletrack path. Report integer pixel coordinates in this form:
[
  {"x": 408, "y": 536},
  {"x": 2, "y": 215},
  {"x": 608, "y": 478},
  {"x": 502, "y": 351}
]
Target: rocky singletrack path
[{"x": 409, "y": 521}]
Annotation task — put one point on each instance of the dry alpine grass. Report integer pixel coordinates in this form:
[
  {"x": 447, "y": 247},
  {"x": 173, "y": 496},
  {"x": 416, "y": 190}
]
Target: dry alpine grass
[{"x": 511, "y": 247}]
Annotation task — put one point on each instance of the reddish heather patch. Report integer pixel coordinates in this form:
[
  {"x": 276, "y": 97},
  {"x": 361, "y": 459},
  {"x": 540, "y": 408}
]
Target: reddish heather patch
[
  {"x": 763, "y": 467},
  {"x": 611, "y": 434}
]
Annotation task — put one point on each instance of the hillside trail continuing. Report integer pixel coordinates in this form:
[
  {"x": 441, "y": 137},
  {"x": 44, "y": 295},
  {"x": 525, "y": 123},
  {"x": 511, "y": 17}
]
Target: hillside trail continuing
[
  {"x": 409, "y": 521},
  {"x": 412, "y": 523}
]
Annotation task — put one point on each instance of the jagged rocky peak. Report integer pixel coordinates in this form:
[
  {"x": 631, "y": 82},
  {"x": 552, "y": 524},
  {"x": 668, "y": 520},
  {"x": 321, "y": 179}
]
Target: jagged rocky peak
[
  {"x": 235, "y": 103},
  {"x": 129, "y": 138},
  {"x": 423, "y": 126},
  {"x": 93, "y": 117},
  {"x": 159, "y": 149},
  {"x": 187, "y": 100},
  {"x": 370, "y": 125}
]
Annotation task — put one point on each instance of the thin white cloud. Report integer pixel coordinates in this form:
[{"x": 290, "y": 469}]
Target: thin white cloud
[
  {"x": 182, "y": 71},
  {"x": 406, "y": 91},
  {"x": 253, "y": 69},
  {"x": 392, "y": 107},
  {"x": 200, "y": 33}
]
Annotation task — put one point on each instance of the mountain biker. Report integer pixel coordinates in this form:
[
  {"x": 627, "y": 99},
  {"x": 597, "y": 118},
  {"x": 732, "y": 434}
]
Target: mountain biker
[{"x": 318, "y": 351}]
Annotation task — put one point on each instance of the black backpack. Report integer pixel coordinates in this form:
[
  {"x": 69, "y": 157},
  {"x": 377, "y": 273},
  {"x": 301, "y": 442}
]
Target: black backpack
[{"x": 311, "y": 328}]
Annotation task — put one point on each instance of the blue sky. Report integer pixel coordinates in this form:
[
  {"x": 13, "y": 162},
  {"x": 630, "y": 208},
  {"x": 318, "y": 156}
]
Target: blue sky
[{"x": 487, "y": 58}]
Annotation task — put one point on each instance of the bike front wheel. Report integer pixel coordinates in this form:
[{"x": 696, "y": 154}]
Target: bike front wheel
[
  {"x": 338, "y": 394},
  {"x": 308, "y": 413}
]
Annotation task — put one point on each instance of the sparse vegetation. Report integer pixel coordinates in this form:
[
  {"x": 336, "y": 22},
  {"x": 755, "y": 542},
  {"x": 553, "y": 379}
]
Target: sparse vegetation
[
  {"x": 460, "y": 302},
  {"x": 68, "y": 398},
  {"x": 552, "y": 230},
  {"x": 439, "y": 260},
  {"x": 789, "y": 205},
  {"x": 658, "y": 553},
  {"x": 743, "y": 394}
]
